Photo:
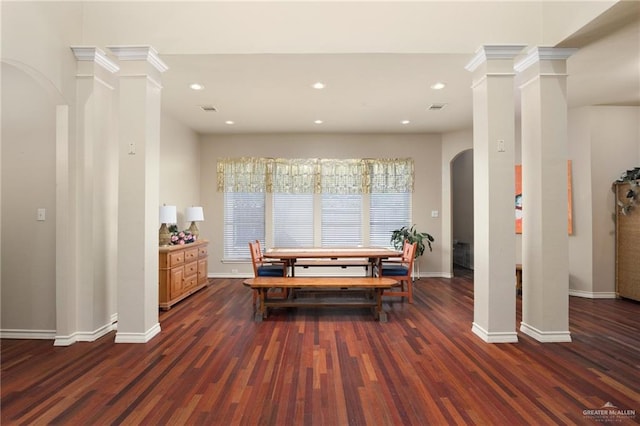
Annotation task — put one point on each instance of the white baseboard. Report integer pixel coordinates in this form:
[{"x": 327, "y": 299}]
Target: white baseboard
[
  {"x": 66, "y": 340},
  {"x": 28, "y": 334},
  {"x": 122, "y": 337},
  {"x": 546, "y": 336},
  {"x": 94, "y": 335},
  {"x": 435, "y": 275},
  {"x": 228, "y": 275},
  {"x": 495, "y": 337},
  {"x": 85, "y": 336},
  {"x": 592, "y": 295}
]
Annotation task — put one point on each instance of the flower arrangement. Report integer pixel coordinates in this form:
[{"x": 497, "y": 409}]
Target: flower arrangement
[{"x": 180, "y": 237}]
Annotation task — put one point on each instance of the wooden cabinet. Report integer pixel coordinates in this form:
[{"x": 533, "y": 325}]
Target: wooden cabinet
[
  {"x": 183, "y": 271},
  {"x": 627, "y": 248}
]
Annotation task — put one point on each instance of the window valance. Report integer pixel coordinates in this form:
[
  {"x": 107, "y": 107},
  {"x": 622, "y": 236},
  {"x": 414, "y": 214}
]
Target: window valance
[
  {"x": 243, "y": 174},
  {"x": 312, "y": 175}
]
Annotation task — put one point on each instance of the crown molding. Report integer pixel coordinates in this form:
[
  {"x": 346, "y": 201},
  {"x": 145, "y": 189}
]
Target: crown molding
[
  {"x": 94, "y": 54},
  {"x": 537, "y": 54},
  {"x": 485, "y": 53},
  {"x": 139, "y": 53}
]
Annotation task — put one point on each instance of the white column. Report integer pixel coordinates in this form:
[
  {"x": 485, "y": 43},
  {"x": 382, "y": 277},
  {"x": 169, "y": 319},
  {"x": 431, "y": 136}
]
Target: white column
[
  {"x": 545, "y": 244},
  {"x": 138, "y": 202},
  {"x": 66, "y": 251},
  {"x": 87, "y": 180},
  {"x": 494, "y": 314}
]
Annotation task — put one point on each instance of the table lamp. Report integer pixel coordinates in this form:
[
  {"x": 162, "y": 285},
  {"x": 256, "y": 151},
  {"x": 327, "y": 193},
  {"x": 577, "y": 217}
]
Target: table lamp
[
  {"x": 168, "y": 214},
  {"x": 193, "y": 215}
]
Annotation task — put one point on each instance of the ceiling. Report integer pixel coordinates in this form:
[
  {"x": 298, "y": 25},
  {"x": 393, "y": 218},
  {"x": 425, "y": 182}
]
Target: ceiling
[
  {"x": 369, "y": 93},
  {"x": 258, "y": 60}
]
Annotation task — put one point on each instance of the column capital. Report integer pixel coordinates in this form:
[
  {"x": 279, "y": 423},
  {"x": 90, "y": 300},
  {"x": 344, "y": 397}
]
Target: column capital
[
  {"x": 490, "y": 52},
  {"x": 538, "y": 54},
  {"x": 96, "y": 55},
  {"x": 139, "y": 53}
]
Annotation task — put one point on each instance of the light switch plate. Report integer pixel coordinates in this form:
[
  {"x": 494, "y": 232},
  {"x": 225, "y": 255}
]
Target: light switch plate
[{"x": 41, "y": 215}]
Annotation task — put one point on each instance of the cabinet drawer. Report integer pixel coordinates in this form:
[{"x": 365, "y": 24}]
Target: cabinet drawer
[
  {"x": 190, "y": 268},
  {"x": 202, "y": 251},
  {"x": 190, "y": 282},
  {"x": 191, "y": 254},
  {"x": 176, "y": 258}
]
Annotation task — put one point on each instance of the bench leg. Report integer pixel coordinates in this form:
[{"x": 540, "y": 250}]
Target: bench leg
[
  {"x": 261, "y": 311},
  {"x": 379, "y": 313}
]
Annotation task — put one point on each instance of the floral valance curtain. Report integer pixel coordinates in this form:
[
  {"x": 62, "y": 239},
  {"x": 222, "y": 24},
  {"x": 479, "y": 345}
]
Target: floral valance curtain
[
  {"x": 306, "y": 176},
  {"x": 391, "y": 176},
  {"x": 243, "y": 174},
  {"x": 293, "y": 176},
  {"x": 343, "y": 176}
]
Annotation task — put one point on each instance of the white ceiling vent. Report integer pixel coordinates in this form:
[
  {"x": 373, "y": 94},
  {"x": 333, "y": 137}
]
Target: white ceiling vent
[
  {"x": 208, "y": 108},
  {"x": 436, "y": 107}
]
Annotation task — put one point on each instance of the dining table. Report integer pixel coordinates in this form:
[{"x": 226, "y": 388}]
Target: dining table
[{"x": 331, "y": 256}]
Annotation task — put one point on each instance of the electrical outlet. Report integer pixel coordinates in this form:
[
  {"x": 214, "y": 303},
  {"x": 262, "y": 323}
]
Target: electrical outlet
[{"x": 234, "y": 271}]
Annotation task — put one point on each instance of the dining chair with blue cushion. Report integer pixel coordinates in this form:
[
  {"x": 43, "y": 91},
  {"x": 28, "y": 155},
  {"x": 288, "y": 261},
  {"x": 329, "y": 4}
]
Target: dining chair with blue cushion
[
  {"x": 269, "y": 268},
  {"x": 401, "y": 269},
  {"x": 262, "y": 268}
]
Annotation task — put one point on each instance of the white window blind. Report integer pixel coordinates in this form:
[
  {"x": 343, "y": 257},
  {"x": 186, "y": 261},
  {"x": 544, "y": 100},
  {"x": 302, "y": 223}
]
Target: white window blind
[
  {"x": 387, "y": 212},
  {"x": 243, "y": 222},
  {"x": 292, "y": 220},
  {"x": 341, "y": 220}
]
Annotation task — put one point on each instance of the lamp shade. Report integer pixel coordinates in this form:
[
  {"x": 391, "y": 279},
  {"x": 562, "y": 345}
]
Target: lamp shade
[
  {"x": 168, "y": 214},
  {"x": 194, "y": 214}
]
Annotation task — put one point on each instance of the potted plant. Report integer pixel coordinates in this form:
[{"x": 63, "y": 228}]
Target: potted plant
[{"x": 399, "y": 236}]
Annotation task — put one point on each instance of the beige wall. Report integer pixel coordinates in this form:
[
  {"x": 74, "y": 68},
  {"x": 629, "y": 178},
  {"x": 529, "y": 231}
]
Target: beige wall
[
  {"x": 38, "y": 73},
  {"x": 28, "y": 183},
  {"x": 603, "y": 142},
  {"x": 424, "y": 149},
  {"x": 180, "y": 167}
]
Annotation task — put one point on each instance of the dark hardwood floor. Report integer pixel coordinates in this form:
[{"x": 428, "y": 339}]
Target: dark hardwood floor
[{"x": 212, "y": 365}]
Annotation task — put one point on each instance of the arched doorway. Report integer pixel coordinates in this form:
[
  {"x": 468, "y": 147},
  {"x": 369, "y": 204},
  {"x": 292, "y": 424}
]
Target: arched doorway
[{"x": 462, "y": 212}]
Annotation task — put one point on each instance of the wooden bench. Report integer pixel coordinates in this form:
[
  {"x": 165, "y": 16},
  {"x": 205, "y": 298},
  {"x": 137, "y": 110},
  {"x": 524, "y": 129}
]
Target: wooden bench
[{"x": 371, "y": 290}]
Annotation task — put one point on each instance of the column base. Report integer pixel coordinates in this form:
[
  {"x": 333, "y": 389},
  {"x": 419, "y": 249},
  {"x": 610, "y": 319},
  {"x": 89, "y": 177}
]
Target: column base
[
  {"x": 546, "y": 336},
  {"x": 138, "y": 337},
  {"x": 494, "y": 337}
]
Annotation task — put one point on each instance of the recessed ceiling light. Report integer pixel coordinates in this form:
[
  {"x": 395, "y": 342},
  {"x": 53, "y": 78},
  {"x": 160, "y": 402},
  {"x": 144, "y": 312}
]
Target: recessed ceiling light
[
  {"x": 318, "y": 121},
  {"x": 438, "y": 86},
  {"x": 318, "y": 85},
  {"x": 229, "y": 122},
  {"x": 405, "y": 122},
  {"x": 196, "y": 86}
]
